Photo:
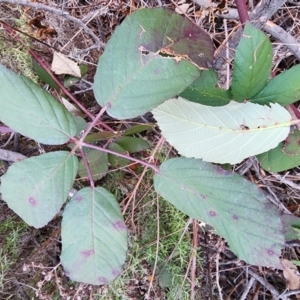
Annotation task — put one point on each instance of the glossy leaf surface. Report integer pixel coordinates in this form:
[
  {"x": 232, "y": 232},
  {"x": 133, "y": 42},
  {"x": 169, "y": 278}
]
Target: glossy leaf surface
[
  {"x": 151, "y": 57},
  {"x": 283, "y": 89},
  {"x": 252, "y": 64},
  {"x": 204, "y": 90}
]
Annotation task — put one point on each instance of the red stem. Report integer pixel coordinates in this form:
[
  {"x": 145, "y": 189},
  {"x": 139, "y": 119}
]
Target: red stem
[
  {"x": 295, "y": 110},
  {"x": 154, "y": 168},
  {"x": 243, "y": 11}
]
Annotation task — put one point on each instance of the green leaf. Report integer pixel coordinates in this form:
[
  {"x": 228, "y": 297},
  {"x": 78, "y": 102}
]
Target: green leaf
[
  {"x": 44, "y": 75},
  {"x": 98, "y": 162},
  {"x": 117, "y": 161},
  {"x": 132, "y": 144},
  {"x": 285, "y": 156},
  {"x": 137, "y": 129},
  {"x": 290, "y": 224},
  {"x": 80, "y": 124},
  {"x": 31, "y": 111},
  {"x": 152, "y": 56},
  {"x": 237, "y": 209},
  {"x": 101, "y": 136},
  {"x": 252, "y": 64},
  {"x": 70, "y": 80},
  {"x": 36, "y": 188},
  {"x": 226, "y": 134},
  {"x": 204, "y": 91},
  {"x": 283, "y": 89},
  {"x": 94, "y": 237}
]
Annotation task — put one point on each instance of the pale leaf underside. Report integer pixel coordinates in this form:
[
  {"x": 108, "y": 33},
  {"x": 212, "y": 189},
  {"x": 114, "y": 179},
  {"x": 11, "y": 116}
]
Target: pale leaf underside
[{"x": 226, "y": 134}]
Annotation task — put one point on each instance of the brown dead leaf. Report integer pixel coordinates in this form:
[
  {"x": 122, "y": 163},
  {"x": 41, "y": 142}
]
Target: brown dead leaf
[
  {"x": 63, "y": 65},
  {"x": 290, "y": 273}
]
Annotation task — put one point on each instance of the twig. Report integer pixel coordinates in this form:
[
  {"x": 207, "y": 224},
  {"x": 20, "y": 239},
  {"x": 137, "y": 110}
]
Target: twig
[
  {"x": 290, "y": 42},
  {"x": 266, "y": 284},
  {"x": 273, "y": 199},
  {"x": 58, "y": 12},
  {"x": 218, "y": 272},
  {"x": 157, "y": 249},
  {"x": 194, "y": 259},
  {"x": 248, "y": 287},
  {"x": 276, "y": 31},
  {"x": 284, "y": 296},
  {"x": 261, "y": 14}
]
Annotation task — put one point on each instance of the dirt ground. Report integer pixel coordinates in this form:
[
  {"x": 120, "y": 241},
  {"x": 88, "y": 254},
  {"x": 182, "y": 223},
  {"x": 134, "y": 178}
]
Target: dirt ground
[{"x": 29, "y": 258}]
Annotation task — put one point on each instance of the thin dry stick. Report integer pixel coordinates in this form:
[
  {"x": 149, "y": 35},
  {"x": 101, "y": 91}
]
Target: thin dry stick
[
  {"x": 58, "y": 12},
  {"x": 179, "y": 241},
  {"x": 93, "y": 16},
  {"x": 261, "y": 14},
  {"x": 267, "y": 285},
  {"x": 227, "y": 56},
  {"x": 276, "y": 31},
  {"x": 157, "y": 249},
  {"x": 194, "y": 258},
  {"x": 185, "y": 276},
  {"x": 273, "y": 199},
  {"x": 218, "y": 276},
  {"x": 248, "y": 287},
  {"x": 151, "y": 158}
]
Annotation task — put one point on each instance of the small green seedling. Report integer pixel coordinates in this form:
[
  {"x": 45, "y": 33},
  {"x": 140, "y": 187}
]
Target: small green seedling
[{"x": 153, "y": 56}]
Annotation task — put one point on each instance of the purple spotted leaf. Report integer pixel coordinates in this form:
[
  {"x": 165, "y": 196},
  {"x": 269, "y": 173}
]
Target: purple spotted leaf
[
  {"x": 37, "y": 187},
  {"x": 152, "y": 56},
  {"x": 237, "y": 209},
  {"x": 94, "y": 237}
]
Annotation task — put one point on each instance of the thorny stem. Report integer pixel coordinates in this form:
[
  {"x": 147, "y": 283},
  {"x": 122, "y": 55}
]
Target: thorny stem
[
  {"x": 94, "y": 122},
  {"x": 61, "y": 86},
  {"x": 86, "y": 164},
  {"x": 154, "y": 168},
  {"x": 242, "y": 10}
]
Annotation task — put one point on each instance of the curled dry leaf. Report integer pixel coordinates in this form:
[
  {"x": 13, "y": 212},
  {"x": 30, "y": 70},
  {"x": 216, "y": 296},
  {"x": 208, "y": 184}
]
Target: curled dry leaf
[
  {"x": 291, "y": 275},
  {"x": 63, "y": 65}
]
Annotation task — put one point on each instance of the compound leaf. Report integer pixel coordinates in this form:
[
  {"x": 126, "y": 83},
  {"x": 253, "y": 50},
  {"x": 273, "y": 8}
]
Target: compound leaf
[
  {"x": 151, "y": 57},
  {"x": 283, "y": 89},
  {"x": 31, "y": 111},
  {"x": 252, "y": 64},
  {"x": 36, "y": 188},
  {"x": 204, "y": 90},
  {"x": 226, "y": 134},
  {"x": 285, "y": 156},
  {"x": 237, "y": 209},
  {"x": 94, "y": 237}
]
